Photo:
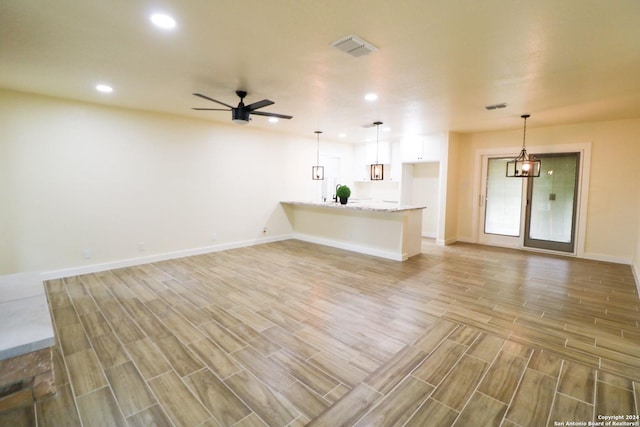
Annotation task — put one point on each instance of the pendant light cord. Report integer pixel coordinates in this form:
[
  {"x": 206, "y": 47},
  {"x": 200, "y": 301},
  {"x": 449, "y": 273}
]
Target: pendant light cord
[
  {"x": 377, "y": 139},
  {"x": 524, "y": 133},
  {"x": 318, "y": 132}
]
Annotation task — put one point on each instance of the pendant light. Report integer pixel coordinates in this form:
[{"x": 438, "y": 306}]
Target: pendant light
[
  {"x": 317, "y": 171},
  {"x": 377, "y": 169},
  {"x": 524, "y": 166}
]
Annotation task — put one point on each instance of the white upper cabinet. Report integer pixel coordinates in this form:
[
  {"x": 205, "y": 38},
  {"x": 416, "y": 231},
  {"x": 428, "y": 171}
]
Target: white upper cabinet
[{"x": 427, "y": 148}]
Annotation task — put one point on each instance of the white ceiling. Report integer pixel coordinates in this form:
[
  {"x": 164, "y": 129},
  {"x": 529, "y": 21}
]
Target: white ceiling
[{"x": 439, "y": 61}]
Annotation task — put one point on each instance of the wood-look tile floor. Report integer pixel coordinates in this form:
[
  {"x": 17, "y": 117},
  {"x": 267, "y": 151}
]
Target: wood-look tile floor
[{"x": 291, "y": 333}]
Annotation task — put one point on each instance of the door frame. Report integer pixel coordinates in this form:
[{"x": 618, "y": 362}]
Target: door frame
[
  {"x": 530, "y": 242},
  {"x": 491, "y": 239},
  {"x": 582, "y": 193}
]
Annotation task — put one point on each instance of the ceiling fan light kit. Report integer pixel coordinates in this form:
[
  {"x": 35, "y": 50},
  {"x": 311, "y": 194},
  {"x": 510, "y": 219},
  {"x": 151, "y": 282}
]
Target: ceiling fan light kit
[
  {"x": 242, "y": 113},
  {"x": 525, "y": 165}
]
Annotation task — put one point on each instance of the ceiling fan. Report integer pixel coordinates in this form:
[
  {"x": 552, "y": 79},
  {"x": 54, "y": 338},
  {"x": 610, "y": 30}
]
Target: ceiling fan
[{"x": 241, "y": 113}]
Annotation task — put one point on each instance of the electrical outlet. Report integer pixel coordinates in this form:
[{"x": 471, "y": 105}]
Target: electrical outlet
[
  {"x": 264, "y": 231},
  {"x": 214, "y": 237},
  {"x": 86, "y": 253},
  {"x": 141, "y": 246}
]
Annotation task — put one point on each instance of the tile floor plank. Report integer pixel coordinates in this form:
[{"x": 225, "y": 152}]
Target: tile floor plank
[
  {"x": 567, "y": 408},
  {"x": 180, "y": 404},
  {"x": 263, "y": 368},
  {"x": 312, "y": 377},
  {"x": 434, "y": 414},
  {"x": 217, "y": 397},
  {"x": 147, "y": 358},
  {"x": 331, "y": 319},
  {"x": 85, "y": 372},
  {"x": 396, "y": 408},
  {"x": 533, "y": 399},
  {"x": 577, "y": 381},
  {"x": 130, "y": 389},
  {"x": 305, "y": 400},
  {"x": 612, "y": 400},
  {"x": 179, "y": 356},
  {"x": 108, "y": 349},
  {"x": 59, "y": 410},
  {"x": 99, "y": 408},
  {"x": 439, "y": 363},
  {"x": 481, "y": 410},
  {"x": 265, "y": 402},
  {"x": 503, "y": 376},
  {"x": 395, "y": 369},
  {"x": 152, "y": 416},
  {"x": 350, "y": 408},
  {"x": 460, "y": 383},
  {"x": 215, "y": 358}
]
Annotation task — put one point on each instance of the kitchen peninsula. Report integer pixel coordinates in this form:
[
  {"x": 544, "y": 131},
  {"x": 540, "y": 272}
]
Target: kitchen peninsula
[{"x": 383, "y": 229}]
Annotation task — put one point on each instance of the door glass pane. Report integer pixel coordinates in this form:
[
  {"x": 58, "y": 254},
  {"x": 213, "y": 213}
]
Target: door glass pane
[
  {"x": 503, "y": 201},
  {"x": 553, "y": 199}
]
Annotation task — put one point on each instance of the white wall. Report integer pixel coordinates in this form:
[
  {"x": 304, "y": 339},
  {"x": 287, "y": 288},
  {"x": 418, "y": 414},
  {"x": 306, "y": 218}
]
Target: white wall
[
  {"x": 77, "y": 176},
  {"x": 425, "y": 192},
  {"x": 613, "y": 211}
]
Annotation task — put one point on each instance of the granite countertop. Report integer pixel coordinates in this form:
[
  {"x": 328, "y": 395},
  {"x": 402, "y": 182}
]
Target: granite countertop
[
  {"x": 361, "y": 205},
  {"x": 24, "y": 315}
]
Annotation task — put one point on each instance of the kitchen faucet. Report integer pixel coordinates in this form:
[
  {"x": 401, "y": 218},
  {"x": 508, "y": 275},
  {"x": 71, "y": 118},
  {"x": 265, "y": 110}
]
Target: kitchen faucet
[{"x": 335, "y": 196}]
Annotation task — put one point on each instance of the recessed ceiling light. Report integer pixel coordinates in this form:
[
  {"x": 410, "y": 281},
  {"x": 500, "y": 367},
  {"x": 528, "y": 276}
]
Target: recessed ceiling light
[
  {"x": 387, "y": 129},
  {"x": 163, "y": 21},
  {"x": 342, "y": 135},
  {"x": 273, "y": 120},
  {"x": 104, "y": 88},
  {"x": 371, "y": 97}
]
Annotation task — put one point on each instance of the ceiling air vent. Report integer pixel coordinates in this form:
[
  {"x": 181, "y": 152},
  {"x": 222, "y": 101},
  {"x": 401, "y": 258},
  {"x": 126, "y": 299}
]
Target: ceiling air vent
[
  {"x": 496, "y": 106},
  {"x": 354, "y": 46}
]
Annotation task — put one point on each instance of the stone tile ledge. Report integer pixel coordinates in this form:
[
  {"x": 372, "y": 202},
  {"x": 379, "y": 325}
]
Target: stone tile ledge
[
  {"x": 24, "y": 315},
  {"x": 359, "y": 205}
]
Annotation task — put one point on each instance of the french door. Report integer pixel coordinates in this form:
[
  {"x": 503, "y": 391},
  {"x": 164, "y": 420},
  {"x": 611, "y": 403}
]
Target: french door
[{"x": 531, "y": 212}]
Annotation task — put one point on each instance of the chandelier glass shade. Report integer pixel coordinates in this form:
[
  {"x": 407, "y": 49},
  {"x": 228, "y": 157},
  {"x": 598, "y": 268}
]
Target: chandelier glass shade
[{"x": 525, "y": 165}]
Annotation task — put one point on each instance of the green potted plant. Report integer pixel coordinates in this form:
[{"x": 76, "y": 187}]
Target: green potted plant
[{"x": 343, "y": 192}]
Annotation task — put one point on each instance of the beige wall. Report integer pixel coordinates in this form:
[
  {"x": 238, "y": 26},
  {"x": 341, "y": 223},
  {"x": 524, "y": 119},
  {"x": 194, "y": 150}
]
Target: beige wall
[
  {"x": 636, "y": 258},
  {"x": 613, "y": 201},
  {"x": 77, "y": 176}
]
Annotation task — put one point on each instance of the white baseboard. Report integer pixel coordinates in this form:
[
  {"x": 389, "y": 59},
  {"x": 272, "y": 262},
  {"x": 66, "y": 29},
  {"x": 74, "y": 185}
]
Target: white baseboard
[
  {"x": 606, "y": 258},
  {"x": 351, "y": 247},
  {"x": 466, "y": 240},
  {"x": 636, "y": 276},
  {"x": 445, "y": 242},
  {"x": 95, "y": 268}
]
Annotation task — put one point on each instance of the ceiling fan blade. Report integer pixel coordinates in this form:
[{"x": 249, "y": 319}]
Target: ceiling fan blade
[
  {"x": 212, "y": 109},
  {"x": 281, "y": 116},
  {"x": 211, "y": 99},
  {"x": 259, "y": 104}
]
